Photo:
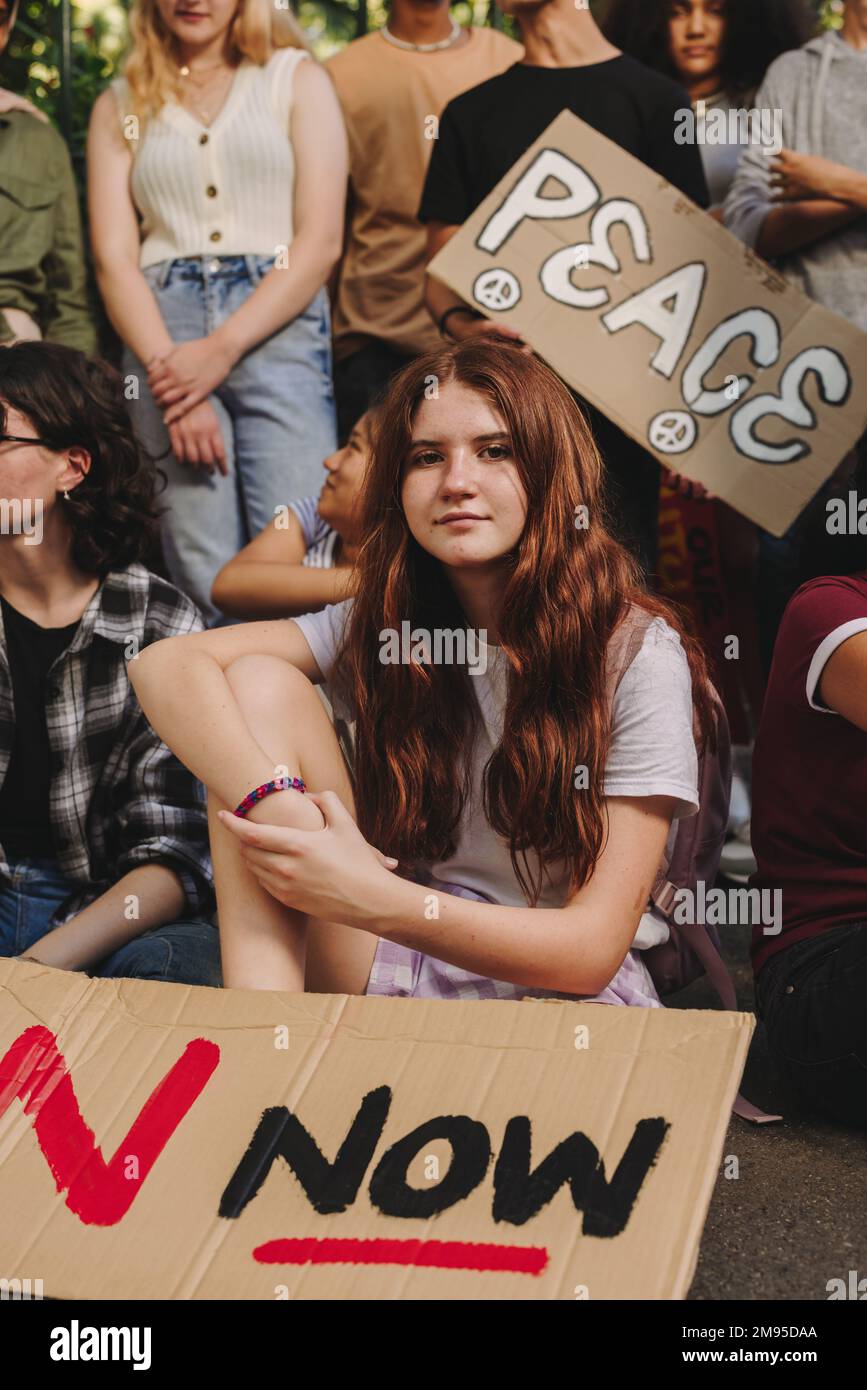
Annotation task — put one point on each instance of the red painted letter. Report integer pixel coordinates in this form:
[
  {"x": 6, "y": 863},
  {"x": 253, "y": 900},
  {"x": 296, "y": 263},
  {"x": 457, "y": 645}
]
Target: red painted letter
[{"x": 34, "y": 1071}]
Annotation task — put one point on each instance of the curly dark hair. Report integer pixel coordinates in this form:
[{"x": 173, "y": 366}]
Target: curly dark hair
[
  {"x": 758, "y": 31},
  {"x": 69, "y": 400}
]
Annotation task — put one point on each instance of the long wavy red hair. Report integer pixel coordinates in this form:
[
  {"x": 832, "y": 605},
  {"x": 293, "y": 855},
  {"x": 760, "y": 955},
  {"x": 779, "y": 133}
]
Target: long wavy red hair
[{"x": 567, "y": 590}]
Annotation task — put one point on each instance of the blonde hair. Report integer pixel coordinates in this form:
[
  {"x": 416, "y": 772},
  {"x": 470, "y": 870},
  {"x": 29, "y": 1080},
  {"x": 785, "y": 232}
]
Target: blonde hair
[{"x": 150, "y": 71}]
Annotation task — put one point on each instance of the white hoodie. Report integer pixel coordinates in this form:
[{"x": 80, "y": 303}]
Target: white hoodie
[{"x": 821, "y": 91}]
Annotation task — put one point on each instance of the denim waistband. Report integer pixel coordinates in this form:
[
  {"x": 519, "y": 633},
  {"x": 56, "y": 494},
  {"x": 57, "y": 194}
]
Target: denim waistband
[
  {"x": 23, "y": 867},
  {"x": 201, "y": 269}
]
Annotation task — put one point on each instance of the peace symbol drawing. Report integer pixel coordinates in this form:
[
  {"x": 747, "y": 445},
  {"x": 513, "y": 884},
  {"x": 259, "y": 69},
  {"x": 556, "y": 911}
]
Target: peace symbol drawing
[
  {"x": 497, "y": 289},
  {"x": 672, "y": 431}
]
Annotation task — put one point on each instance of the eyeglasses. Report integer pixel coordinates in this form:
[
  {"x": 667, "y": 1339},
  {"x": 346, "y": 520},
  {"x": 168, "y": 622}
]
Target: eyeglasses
[{"x": 19, "y": 439}]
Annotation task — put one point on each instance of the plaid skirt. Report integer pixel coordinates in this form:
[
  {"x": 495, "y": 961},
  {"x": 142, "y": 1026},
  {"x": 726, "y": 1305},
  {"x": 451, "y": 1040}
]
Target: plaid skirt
[{"x": 397, "y": 970}]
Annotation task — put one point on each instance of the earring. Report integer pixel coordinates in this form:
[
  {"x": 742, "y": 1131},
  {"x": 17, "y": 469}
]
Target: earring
[{"x": 66, "y": 494}]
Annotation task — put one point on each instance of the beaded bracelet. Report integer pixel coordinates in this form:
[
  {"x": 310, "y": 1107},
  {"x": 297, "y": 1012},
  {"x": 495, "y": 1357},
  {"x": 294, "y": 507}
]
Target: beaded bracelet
[{"x": 280, "y": 784}]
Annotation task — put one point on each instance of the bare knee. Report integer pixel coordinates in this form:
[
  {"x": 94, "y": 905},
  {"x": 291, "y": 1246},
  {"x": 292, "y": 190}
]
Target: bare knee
[{"x": 267, "y": 687}]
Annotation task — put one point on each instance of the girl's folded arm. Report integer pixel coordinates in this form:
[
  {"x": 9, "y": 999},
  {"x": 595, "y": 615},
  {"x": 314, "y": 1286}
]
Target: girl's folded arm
[
  {"x": 575, "y": 949},
  {"x": 268, "y": 579},
  {"x": 269, "y": 589}
]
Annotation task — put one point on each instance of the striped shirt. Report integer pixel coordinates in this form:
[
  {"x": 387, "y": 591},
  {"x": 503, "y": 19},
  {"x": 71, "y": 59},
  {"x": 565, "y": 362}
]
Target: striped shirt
[
  {"x": 118, "y": 797},
  {"x": 319, "y": 538}
]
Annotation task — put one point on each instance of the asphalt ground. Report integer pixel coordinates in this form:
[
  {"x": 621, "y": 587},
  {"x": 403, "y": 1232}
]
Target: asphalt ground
[{"x": 795, "y": 1217}]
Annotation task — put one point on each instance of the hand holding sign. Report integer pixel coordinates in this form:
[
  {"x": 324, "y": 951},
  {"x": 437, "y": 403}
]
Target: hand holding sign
[{"x": 485, "y": 328}]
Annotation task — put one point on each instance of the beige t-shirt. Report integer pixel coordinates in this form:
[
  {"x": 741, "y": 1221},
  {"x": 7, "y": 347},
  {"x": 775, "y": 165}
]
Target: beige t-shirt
[{"x": 391, "y": 100}]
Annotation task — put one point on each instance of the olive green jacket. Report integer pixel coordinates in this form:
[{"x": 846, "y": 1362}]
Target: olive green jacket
[{"x": 41, "y": 257}]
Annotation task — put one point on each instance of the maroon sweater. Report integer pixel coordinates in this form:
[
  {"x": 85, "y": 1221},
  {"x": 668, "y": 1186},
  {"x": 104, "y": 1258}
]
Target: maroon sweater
[{"x": 809, "y": 817}]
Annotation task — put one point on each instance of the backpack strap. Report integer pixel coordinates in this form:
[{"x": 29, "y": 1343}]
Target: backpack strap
[
  {"x": 624, "y": 646},
  {"x": 664, "y": 890}
]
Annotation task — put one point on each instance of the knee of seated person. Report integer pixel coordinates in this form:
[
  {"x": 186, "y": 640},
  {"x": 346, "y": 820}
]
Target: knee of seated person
[
  {"x": 184, "y": 953},
  {"x": 264, "y": 685},
  {"x": 145, "y": 958}
]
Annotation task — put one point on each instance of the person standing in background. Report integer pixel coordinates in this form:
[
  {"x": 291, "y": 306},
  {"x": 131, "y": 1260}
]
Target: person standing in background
[
  {"x": 214, "y": 232},
  {"x": 805, "y": 210},
  {"x": 568, "y": 65},
  {"x": 719, "y": 50},
  {"x": 42, "y": 276},
  {"x": 393, "y": 85}
]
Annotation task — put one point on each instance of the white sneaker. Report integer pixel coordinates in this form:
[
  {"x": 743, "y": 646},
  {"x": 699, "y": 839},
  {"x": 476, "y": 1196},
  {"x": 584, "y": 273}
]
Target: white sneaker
[{"x": 737, "y": 860}]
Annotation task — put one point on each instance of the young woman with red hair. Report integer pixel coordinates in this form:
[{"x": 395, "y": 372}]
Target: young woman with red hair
[{"x": 525, "y": 805}]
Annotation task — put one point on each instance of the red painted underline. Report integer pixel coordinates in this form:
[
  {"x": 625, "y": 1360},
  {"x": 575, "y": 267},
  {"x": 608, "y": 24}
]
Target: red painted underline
[{"x": 431, "y": 1254}]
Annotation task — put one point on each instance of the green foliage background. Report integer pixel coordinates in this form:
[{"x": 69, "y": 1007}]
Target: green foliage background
[{"x": 33, "y": 62}]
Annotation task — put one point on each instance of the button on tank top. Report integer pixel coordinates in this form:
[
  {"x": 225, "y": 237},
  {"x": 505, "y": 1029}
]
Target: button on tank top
[{"x": 225, "y": 189}]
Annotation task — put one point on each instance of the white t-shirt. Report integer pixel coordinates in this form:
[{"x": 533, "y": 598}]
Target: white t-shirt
[{"x": 652, "y": 753}]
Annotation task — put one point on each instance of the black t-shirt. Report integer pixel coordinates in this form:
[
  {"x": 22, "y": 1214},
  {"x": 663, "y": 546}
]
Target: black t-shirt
[
  {"x": 484, "y": 131},
  {"x": 25, "y": 822}
]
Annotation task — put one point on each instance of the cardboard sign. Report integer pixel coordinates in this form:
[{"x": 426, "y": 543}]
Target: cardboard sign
[
  {"x": 160, "y": 1141},
  {"x": 660, "y": 317}
]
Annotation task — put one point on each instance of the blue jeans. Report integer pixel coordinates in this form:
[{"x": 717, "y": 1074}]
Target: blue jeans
[
  {"x": 276, "y": 413},
  {"x": 185, "y": 953}
]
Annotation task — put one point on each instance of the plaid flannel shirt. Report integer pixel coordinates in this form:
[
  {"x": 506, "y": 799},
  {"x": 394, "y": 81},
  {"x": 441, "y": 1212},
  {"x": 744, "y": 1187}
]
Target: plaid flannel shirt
[{"x": 118, "y": 797}]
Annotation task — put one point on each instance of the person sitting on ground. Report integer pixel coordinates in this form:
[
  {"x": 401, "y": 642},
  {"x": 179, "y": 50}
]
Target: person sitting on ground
[
  {"x": 104, "y": 862},
  {"x": 303, "y": 559},
  {"x": 809, "y": 825},
  {"x": 494, "y": 761}
]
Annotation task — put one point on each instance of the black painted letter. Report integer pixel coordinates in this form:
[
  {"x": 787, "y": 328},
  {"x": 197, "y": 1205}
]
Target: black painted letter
[
  {"x": 471, "y": 1154},
  {"x": 330, "y": 1187},
  {"x": 519, "y": 1193}
]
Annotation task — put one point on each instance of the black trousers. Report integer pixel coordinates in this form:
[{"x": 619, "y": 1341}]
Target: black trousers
[
  {"x": 359, "y": 379},
  {"x": 812, "y": 998},
  {"x": 632, "y": 477}
]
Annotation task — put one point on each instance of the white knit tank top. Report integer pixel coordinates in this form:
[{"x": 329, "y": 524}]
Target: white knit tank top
[{"x": 225, "y": 189}]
